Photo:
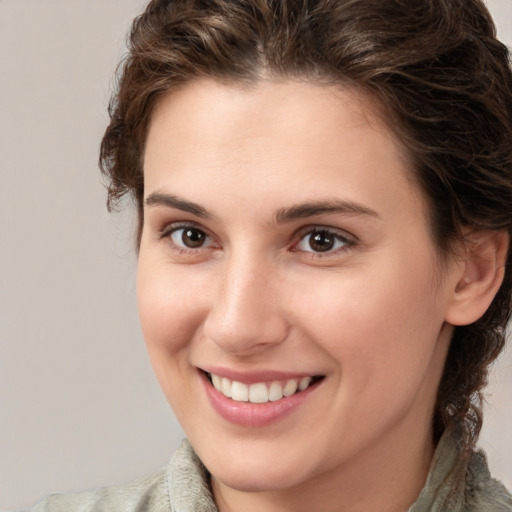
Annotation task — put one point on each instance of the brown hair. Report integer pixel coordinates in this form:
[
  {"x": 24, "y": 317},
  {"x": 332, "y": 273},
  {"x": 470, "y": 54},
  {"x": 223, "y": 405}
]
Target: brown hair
[{"x": 435, "y": 66}]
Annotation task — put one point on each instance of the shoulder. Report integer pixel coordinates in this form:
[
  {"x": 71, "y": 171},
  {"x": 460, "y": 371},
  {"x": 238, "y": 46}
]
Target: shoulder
[
  {"x": 484, "y": 493},
  {"x": 148, "y": 494},
  {"x": 182, "y": 486},
  {"x": 460, "y": 482}
]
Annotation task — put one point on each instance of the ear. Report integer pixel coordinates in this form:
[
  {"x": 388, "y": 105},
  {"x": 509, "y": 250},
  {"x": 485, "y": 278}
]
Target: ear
[{"x": 480, "y": 272}]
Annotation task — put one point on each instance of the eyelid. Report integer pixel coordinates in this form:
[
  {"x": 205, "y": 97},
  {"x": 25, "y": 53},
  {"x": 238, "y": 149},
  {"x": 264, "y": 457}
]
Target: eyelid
[
  {"x": 174, "y": 226},
  {"x": 312, "y": 228}
]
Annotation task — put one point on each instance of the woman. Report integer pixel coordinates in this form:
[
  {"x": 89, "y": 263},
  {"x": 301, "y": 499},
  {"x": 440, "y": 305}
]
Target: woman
[{"x": 324, "y": 192}]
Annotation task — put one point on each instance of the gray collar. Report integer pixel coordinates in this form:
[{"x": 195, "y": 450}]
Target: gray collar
[{"x": 454, "y": 483}]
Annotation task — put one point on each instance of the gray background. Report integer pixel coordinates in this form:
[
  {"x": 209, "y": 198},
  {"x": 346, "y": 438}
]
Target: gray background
[{"x": 79, "y": 406}]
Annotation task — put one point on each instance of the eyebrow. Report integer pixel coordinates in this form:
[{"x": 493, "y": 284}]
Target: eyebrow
[
  {"x": 334, "y": 206},
  {"x": 300, "y": 211},
  {"x": 161, "y": 199}
]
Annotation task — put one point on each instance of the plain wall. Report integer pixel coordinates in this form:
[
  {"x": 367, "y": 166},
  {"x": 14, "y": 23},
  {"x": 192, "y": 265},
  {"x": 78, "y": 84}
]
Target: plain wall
[{"x": 79, "y": 406}]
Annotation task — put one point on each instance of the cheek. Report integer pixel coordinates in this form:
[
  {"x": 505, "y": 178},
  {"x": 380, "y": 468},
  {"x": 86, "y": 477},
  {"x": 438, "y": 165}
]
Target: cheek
[
  {"x": 380, "y": 328},
  {"x": 170, "y": 312},
  {"x": 169, "y": 303}
]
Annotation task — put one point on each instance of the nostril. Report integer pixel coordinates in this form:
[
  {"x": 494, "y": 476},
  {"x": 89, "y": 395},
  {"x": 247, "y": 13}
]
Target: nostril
[{"x": 244, "y": 338}]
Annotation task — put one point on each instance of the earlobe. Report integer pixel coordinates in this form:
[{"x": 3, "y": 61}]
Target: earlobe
[{"x": 482, "y": 271}]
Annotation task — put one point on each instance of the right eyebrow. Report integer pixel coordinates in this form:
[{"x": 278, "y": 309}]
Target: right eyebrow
[{"x": 171, "y": 201}]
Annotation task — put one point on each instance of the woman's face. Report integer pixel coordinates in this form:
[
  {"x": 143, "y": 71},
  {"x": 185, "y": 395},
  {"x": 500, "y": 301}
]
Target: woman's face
[{"x": 285, "y": 244}]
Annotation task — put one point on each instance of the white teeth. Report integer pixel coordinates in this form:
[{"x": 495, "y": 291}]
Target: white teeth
[
  {"x": 304, "y": 383},
  {"x": 275, "y": 392},
  {"x": 239, "y": 392},
  {"x": 226, "y": 387},
  {"x": 259, "y": 392},
  {"x": 217, "y": 382},
  {"x": 290, "y": 388}
]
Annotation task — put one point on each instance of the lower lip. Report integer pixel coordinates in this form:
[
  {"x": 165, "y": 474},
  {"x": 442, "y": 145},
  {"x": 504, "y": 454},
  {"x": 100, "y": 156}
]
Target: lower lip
[{"x": 248, "y": 414}]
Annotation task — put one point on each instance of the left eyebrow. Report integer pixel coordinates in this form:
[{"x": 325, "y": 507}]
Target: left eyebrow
[{"x": 334, "y": 206}]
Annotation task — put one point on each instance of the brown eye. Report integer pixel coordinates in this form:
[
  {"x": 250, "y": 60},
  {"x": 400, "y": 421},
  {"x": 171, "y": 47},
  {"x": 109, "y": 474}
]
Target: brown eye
[
  {"x": 323, "y": 240},
  {"x": 190, "y": 238}
]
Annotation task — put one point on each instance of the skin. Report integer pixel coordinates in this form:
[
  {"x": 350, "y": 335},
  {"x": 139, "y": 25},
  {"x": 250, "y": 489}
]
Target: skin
[{"x": 370, "y": 315}]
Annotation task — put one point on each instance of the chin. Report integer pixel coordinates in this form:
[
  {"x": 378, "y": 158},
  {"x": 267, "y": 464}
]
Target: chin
[
  {"x": 260, "y": 480},
  {"x": 260, "y": 470}
]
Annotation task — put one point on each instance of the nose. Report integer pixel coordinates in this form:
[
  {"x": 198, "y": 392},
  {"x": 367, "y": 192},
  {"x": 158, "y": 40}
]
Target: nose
[{"x": 246, "y": 314}]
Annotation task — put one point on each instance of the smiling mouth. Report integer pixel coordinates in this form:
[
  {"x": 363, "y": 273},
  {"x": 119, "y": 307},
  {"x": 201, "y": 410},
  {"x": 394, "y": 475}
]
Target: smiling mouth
[{"x": 260, "y": 392}]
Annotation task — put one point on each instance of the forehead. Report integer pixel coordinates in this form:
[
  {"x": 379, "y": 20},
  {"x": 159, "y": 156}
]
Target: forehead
[
  {"x": 205, "y": 106},
  {"x": 295, "y": 138}
]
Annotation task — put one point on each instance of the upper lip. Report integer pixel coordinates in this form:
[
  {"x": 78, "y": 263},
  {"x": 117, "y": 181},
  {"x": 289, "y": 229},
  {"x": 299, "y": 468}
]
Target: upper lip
[{"x": 251, "y": 377}]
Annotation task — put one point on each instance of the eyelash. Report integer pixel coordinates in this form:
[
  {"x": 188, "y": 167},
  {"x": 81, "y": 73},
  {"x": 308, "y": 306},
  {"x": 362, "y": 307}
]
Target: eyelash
[{"x": 347, "y": 241}]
